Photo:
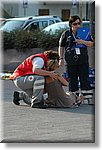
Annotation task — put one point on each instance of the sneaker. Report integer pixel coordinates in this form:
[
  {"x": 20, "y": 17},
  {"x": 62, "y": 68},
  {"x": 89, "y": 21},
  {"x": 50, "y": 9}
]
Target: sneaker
[{"x": 16, "y": 98}]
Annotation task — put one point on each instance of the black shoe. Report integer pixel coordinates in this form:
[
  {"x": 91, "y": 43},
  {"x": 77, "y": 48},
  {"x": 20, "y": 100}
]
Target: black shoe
[
  {"x": 78, "y": 103},
  {"x": 16, "y": 98}
]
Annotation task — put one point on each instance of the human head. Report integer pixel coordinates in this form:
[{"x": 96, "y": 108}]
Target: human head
[
  {"x": 50, "y": 54},
  {"x": 52, "y": 65},
  {"x": 74, "y": 21}
]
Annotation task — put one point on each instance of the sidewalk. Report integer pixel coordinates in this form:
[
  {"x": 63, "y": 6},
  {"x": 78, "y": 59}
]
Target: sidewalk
[{"x": 26, "y": 124}]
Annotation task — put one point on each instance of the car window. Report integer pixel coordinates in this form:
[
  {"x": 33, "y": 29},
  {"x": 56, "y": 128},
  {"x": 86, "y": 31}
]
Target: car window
[
  {"x": 33, "y": 26},
  {"x": 26, "y": 23},
  {"x": 51, "y": 22},
  {"x": 43, "y": 24},
  {"x": 37, "y": 25},
  {"x": 57, "y": 21},
  {"x": 11, "y": 25}
]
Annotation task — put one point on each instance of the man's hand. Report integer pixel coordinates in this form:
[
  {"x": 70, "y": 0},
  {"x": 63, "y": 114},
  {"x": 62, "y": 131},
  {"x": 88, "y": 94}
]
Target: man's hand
[
  {"x": 53, "y": 75},
  {"x": 80, "y": 41},
  {"x": 87, "y": 43}
]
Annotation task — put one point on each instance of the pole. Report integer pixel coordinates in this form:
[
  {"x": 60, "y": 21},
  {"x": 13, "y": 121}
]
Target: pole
[
  {"x": 24, "y": 11},
  {"x": 25, "y": 5},
  {"x": 80, "y": 8}
]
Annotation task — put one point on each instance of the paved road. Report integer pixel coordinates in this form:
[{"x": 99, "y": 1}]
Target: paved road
[{"x": 25, "y": 124}]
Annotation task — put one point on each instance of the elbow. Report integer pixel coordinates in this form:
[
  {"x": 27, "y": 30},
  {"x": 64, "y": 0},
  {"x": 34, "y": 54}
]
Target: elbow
[{"x": 65, "y": 84}]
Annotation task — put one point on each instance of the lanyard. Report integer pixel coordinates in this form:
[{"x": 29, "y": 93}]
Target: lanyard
[{"x": 74, "y": 37}]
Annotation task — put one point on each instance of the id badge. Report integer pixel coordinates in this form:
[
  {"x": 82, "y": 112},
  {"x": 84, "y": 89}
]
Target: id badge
[{"x": 77, "y": 50}]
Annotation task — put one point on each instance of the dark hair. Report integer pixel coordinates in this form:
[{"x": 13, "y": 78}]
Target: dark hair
[
  {"x": 52, "y": 54},
  {"x": 73, "y": 19}
]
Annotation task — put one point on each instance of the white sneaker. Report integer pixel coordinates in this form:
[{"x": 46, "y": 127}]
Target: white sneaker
[{"x": 45, "y": 96}]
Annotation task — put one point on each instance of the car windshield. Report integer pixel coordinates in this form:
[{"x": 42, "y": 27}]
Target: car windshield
[
  {"x": 11, "y": 25},
  {"x": 55, "y": 27}
]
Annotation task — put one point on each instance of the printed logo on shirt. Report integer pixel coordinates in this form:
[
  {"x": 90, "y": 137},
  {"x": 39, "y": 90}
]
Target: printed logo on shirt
[{"x": 30, "y": 78}]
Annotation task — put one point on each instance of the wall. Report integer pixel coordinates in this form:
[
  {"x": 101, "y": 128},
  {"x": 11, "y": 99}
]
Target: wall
[
  {"x": 55, "y": 9},
  {"x": 16, "y": 9},
  {"x": 11, "y": 8}
]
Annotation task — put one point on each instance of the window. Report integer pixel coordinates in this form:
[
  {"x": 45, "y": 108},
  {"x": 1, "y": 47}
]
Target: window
[
  {"x": 33, "y": 26},
  {"x": 12, "y": 25},
  {"x": 57, "y": 21},
  {"x": 65, "y": 14},
  {"x": 43, "y": 12},
  {"x": 43, "y": 24}
]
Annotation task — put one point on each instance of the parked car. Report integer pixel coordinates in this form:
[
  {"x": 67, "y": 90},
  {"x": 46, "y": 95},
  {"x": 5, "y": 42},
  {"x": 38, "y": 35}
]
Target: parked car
[
  {"x": 86, "y": 24},
  {"x": 29, "y": 23},
  {"x": 54, "y": 29},
  {"x": 2, "y": 19}
]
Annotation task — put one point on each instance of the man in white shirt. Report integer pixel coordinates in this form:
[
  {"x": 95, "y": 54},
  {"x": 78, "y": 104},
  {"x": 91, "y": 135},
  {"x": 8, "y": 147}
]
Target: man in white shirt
[{"x": 29, "y": 77}]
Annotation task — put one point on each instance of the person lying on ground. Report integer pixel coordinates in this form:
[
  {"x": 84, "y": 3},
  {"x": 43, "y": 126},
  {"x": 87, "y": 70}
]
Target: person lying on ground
[{"x": 56, "y": 95}]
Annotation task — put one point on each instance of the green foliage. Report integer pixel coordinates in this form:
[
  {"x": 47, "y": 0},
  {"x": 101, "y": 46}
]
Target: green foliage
[
  {"x": 8, "y": 40},
  {"x": 24, "y": 40},
  {"x": 46, "y": 41}
]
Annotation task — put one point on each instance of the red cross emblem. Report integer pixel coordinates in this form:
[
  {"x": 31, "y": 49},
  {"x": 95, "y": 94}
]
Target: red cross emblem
[{"x": 30, "y": 78}]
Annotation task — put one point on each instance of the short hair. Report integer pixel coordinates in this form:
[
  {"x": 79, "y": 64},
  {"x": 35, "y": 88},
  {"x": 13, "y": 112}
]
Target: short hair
[
  {"x": 50, "y": 54},
  {"x": 73, "y": 19}
]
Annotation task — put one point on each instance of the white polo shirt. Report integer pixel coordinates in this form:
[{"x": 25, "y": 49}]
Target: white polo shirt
[{"x": 37, "y": 62}]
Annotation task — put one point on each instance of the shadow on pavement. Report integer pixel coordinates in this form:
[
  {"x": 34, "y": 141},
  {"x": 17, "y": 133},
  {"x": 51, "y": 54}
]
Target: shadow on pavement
[{"x": 83, "y": 109}]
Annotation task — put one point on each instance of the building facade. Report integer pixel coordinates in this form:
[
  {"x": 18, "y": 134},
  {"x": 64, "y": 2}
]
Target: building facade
[{"x": 24, "y": 8}]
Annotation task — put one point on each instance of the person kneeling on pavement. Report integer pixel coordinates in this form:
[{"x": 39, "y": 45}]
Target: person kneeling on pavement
[{"x": 29, "y": 77}]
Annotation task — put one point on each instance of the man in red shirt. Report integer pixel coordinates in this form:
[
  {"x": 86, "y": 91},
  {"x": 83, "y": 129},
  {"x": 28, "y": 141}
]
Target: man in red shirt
[{"x": 29, "y": 77}]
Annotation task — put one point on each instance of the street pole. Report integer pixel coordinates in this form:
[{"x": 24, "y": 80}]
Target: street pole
[
  {"x": 80, "y": 8},
  {"x": 92, "y": 16},
  {"x": 24, "y": 11},
  {"x": 74, "y": 6},
  {"x": 25, "y": 5}
]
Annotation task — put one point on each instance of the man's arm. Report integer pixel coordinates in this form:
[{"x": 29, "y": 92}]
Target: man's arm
[
  {"x": 38, "y": 64},
  {"x": 42, "y": 72},
  {"x": 62, "y": 42},
  {"x": 61, "y": 53},
  {"x": 87, "y": 43}
]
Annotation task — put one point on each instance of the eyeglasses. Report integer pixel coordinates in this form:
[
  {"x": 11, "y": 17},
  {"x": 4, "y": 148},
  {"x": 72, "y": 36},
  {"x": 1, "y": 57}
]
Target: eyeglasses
[{"x": 75, "y": 24}]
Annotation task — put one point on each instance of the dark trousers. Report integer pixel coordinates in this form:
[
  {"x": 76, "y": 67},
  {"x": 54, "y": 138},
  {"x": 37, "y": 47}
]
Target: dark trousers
[{"x": 78, "y": 70}]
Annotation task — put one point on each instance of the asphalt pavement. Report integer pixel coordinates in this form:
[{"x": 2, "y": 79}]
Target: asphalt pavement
[{"x": 33, "y": 125}]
